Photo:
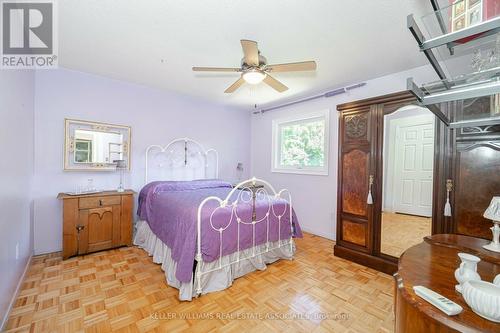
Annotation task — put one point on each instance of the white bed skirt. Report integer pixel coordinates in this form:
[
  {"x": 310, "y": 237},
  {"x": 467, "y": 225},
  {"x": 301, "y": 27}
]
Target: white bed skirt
[{"x": 217, "y": 279}]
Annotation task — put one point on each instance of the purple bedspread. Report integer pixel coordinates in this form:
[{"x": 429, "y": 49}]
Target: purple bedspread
[{"x": 171, "y": 210}]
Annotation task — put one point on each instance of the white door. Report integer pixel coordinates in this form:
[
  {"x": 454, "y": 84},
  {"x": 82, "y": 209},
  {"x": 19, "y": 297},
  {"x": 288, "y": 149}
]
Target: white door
[{"x": 414, "y": 160}]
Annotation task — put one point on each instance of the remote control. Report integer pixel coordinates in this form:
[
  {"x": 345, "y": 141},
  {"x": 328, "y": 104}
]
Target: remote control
[{"x": 442, "y": 303}]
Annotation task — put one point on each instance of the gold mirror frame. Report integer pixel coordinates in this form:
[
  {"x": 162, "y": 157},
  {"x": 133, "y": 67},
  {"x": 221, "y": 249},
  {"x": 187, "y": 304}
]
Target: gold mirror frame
[{"x": 70, "y": 125}]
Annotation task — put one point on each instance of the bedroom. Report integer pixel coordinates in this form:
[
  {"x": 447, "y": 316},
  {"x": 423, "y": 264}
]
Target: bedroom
[{"x": 332, "y": 141}]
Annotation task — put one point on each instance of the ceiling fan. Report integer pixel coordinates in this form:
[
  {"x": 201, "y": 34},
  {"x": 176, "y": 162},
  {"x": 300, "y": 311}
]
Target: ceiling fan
[{"x": 254, "y": 68}]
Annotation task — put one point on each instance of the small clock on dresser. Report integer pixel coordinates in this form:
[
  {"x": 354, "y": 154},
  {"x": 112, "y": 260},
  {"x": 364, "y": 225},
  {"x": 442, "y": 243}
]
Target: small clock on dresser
[{"x": 95, "y": 222}]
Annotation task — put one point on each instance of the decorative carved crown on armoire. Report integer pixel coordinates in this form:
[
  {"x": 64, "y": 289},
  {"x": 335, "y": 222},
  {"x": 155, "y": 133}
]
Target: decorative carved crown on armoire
[{"x": 466, "y": 161}]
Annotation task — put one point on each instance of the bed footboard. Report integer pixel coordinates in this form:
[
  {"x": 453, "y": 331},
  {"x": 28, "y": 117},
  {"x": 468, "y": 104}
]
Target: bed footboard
[{"x": 247, "y": 193}]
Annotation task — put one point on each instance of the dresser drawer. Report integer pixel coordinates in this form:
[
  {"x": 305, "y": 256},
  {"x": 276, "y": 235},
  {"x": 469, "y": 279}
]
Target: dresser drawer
[{"x": 95, "y": 202}]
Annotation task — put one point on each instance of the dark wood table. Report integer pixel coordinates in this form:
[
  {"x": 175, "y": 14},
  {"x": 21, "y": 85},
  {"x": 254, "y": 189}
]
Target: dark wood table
[{"x": 432, "y": 264}]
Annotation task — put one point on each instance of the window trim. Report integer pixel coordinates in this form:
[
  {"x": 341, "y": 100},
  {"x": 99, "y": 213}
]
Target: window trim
[{"x": 276, "y": 123}]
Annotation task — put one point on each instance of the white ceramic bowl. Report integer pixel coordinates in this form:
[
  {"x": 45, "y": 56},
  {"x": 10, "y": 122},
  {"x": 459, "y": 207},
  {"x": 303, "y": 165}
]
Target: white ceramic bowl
[
  {"x": 497, "y": 280},
  {"x": 483, "y": 298}
]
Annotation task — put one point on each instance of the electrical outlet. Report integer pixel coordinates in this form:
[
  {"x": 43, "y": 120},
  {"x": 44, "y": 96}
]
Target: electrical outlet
[{"x": 17, "y": 251}]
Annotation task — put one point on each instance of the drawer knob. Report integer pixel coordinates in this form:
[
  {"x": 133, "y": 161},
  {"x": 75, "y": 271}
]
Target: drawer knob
[{"x": 100, "y": 202}]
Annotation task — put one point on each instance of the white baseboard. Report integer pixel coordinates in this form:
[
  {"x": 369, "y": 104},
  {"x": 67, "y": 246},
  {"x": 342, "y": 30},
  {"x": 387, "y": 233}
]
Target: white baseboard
[{"x": 16, "y": 293}]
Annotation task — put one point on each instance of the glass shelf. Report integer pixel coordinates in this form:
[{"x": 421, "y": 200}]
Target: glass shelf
[
  {"x": 451, "y": 21},
  {"x": 491, "y": 75},
  {"x": 455, "y": 50},
  {"x": 476, "y": 111},
  {"x": 467, "y": 91},
  {"x": 462, "y": 43},
  {"x": 473, "y": 57}
]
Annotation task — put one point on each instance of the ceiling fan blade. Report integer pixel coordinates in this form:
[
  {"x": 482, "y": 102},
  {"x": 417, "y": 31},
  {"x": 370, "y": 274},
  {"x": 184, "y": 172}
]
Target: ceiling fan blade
[
  {"x": 215, "y": 69},
  {"x": 275, "y": 84},
  {"x": 292, "y": 67},
  {"x": 235, "y": 85},
  {"x": 251, "y": 52}
]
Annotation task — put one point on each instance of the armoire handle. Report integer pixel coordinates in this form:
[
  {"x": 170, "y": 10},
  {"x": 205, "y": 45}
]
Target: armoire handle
[
  {"x": 447, "y": 205},
  {"x": 369, "y": 199}
]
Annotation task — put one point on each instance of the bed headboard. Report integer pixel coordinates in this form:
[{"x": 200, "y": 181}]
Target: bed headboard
[{"x": 181, "y": 159}]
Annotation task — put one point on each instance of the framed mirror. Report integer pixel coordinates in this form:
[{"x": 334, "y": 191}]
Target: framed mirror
[{"x": 94, "y": 146}]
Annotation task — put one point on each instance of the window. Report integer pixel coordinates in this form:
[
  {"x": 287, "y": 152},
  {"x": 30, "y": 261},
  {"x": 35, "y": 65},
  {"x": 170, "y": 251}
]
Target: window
[
  {"x": 300, "y": 145},
  {"x": 83, "y": 151}
]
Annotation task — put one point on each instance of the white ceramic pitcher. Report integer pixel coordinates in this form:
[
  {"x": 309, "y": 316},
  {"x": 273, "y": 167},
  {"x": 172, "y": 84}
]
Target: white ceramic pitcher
[{"x": 467, "y": 270}]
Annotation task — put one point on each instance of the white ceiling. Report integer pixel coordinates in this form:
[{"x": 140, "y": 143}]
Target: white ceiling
[{"x": 156, "y": 42}]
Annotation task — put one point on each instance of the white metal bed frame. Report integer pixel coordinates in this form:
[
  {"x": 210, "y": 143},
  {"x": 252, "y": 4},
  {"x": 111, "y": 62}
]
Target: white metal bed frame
[
  {"x": 178, "y": 157},
  {"x": 248, "y": 193},
  {"x": 245, "y": 187}
]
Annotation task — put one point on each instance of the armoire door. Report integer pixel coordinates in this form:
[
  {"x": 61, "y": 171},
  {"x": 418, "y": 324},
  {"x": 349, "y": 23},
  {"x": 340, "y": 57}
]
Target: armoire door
[
  {"x": 471, "y": 161},
  {"x": 356, "y": 168},
  {"x": 477, "y": 180}
]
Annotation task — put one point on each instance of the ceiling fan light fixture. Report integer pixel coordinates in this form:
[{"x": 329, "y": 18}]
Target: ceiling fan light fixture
[
  {"x": 254, "y": 69},
  {"x": 254, "y": 76}
]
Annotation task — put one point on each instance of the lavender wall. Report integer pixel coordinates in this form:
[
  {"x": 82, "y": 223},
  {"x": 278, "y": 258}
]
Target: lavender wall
[
  {"x": 315, "y": 197},
  {"x": 156, "y": 117},
  {"x": 16, "y": 170}
]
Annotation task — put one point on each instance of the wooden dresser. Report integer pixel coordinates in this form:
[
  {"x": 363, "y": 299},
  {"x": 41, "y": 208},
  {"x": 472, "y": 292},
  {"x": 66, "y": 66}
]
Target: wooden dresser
[
  {"x": 432, "y": 264},
  {"x": 94, "y": 222}
]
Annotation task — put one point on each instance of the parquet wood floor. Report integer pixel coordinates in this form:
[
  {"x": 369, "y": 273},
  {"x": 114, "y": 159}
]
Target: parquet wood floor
[
  {"x": 121, "y": 290},
  {"x": 401, "y": 231}
]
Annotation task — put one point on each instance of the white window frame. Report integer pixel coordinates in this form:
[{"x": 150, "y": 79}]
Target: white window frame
[
  {"x": 88, "y": 150},
  {"x": 276, "y": 144}
]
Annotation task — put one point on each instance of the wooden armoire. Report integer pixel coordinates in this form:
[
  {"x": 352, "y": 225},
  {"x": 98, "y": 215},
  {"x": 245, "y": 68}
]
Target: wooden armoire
[{"x": 468, "y": 158}]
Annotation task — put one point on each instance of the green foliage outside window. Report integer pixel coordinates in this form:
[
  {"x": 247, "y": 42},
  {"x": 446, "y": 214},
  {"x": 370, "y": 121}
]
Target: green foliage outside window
[{"x": 302, "y": 144}]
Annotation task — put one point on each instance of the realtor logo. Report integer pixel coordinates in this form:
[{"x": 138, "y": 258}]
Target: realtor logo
[{"x": 28, "y": 34}]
